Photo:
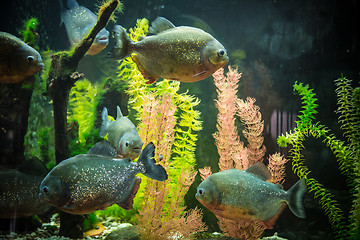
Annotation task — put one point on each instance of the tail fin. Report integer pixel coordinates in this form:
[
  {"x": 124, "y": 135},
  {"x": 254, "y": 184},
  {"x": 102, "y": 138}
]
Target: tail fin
[
  {"x": 295, "y": 198},
  {"x": 122, "y": 43},
  {"x": 104, "y": 123},
  {"x": 152, "y": 170}
]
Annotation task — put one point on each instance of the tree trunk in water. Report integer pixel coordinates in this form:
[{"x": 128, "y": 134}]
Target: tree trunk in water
[
  {"x": 14, "y": 114},
  {"x": 61, "y": 78}
]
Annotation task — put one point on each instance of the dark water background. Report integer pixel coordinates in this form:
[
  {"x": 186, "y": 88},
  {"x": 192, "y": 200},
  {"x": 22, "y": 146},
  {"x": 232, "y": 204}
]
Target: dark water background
[{"x": 311, "y": 41}]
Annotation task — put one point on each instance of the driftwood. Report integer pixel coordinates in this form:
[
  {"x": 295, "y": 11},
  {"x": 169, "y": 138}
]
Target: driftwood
[
  {"x": 14, "y": 113},
  {"x": 61, "y": 79}
]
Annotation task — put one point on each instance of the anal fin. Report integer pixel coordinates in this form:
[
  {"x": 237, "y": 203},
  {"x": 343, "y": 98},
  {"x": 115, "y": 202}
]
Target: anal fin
[
  {"x": 271, "y": 222},
  {"x": 128, "y": 203},
  {"x": 151, "y": 79}
]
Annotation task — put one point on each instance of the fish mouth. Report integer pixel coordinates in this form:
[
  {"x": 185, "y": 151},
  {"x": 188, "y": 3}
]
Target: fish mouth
[
  {"x": 102, "y": 41},
  {"x": 41, "y": 66},
  {"x": 137, "y": 149}
]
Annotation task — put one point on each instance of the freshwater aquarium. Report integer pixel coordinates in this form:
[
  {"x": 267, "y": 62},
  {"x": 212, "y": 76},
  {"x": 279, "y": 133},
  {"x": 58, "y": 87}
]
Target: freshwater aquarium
[{"x": 179, "y": 119}]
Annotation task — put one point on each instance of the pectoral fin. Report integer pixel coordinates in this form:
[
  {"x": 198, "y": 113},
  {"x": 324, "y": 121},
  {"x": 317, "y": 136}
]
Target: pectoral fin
[{"x": 198, "y": 74}]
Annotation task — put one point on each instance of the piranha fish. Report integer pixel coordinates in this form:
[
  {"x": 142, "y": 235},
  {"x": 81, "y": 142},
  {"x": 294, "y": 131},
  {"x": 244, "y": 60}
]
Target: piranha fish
[
  {"x": 235, "y": 194},
  {"x": 19, "y": 193},
  {"x": 17, "y": 59},
  {"x": 122, "y": 134},
  {"x": 90, "y": 182},
  {"x": 78, "y": 22},
  {"x": 185, "y": 54}
]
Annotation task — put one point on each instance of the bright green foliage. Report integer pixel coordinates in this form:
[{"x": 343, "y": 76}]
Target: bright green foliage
[
  {"x": 28, "y": 32},
  {"x": 90, "y": 222},
  {"x": 349, "y": 118},
  {"x": 128, "y": 216},
  {"x": 83, "y": 100},
  {"x": 188, "y": 119},
  {"x": 309, "y": 109},
  {"x": 347, "y": 154}
]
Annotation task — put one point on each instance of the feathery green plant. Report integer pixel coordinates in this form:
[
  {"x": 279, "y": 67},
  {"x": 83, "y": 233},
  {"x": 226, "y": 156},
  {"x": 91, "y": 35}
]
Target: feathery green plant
[
  {"x": 349, "y": 118},
  {"x": 347, "y": 154},
  {"x": 83, "y": 100},
  {"x": 28, "y": 32},
  {"x": 188, "y": 119}
]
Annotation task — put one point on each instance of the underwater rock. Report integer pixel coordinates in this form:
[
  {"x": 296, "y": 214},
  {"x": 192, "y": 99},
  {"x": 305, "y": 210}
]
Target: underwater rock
[
  {"x": 126, "y": 233},
  {"x": 185, "y": 54}
]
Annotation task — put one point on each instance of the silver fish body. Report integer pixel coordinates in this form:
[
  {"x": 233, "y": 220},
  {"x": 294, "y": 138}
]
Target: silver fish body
[
  {"x": 17, "y": 59},
  {"x": 235, "y": 194},
  {"x": 90, "y": 182},
  {"x": 19, "y": 195},
  {"x": 122, "y": 134},
  {"x": 79, "y": 21},
  {"x": 185, "y": 54}
]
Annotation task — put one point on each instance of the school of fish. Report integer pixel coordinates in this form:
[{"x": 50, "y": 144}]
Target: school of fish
[{"x": 107, "y": 175}]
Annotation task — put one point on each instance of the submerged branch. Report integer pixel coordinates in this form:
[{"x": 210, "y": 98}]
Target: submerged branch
[
  {"x": 84, "y": 45},
  {"x": 60, "y": 80}
]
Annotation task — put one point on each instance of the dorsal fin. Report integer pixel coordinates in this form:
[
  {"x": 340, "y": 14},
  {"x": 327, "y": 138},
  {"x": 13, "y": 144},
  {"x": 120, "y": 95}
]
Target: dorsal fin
[
  {"x": 160, "y": 24},
  {"x": 119, "y": 113},
  {"x": 260, "y": 170},
  {"x": 103, "y": 148},
  {"x": 33, "y": 167}
]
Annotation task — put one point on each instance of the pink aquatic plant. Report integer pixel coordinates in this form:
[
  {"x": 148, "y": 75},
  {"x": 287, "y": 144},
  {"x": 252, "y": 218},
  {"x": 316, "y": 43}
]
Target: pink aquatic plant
[
  {"x": 233, "y": 152},
  {"x": 160, "y": 216}
]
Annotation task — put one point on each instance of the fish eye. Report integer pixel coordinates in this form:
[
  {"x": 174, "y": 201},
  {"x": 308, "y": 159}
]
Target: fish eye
[
  {"x": 201, "y": 192},
  {"x": 221, "y": 53},
  {"x": 30, "y": 59},
  {"x": 45, "y": 189},
  {"x": 127, "y": 144}
]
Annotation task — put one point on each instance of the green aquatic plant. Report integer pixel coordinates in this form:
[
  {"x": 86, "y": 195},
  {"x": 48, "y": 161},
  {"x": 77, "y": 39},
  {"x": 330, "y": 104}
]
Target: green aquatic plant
[
  {"x": 169, "y": 119},
  {"x": 349, "y": 118},
  {"x": 83, "y": 100},
  {"x": 347, "y": 153},
  {"x": 28, "y": 32}
]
